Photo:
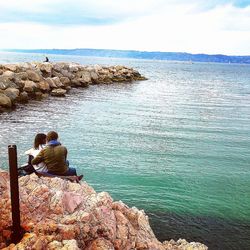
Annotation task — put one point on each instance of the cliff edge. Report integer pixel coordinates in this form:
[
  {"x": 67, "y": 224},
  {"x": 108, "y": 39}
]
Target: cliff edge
[{"x": 59, "y": 214}]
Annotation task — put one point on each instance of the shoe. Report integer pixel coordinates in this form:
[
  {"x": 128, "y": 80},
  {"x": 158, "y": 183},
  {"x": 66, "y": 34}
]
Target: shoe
[{"x": 80, "y": 177}]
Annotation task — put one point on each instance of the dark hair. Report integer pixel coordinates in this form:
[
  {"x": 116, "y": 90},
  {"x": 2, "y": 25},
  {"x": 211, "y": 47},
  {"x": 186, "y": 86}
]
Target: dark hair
[
  {"x": 39, "y": 139},
  {"x": 52, "y": 135}
]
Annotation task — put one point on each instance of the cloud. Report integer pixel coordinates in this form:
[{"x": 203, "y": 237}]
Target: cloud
[
  {"x": 75, "y": 12},
  {"x": 153, "y": 25}
]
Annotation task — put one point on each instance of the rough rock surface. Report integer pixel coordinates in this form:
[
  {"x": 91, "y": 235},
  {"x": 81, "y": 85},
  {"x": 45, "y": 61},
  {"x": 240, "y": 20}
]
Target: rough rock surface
[
  {"x": 37, "y": 79},
  {"x": 58, "y": 214}
]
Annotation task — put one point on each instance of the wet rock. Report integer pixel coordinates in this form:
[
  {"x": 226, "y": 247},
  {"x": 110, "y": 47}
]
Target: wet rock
[
  {"x": 23, "y": 97},
  {"x": 58, "y": 92}
]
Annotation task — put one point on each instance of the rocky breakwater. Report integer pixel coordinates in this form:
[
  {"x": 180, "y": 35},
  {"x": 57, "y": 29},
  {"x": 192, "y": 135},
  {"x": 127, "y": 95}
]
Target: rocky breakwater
[
  {"x": 58, "y": 214},
  {"x": 24, "y": 81}
]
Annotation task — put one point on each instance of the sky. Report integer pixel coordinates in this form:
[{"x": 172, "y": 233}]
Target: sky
[{"x": 193, "y": 26}]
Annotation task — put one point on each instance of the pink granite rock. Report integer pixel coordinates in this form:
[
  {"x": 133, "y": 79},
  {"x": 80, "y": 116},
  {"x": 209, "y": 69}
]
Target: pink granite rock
[{"x": 58, "y": 214}]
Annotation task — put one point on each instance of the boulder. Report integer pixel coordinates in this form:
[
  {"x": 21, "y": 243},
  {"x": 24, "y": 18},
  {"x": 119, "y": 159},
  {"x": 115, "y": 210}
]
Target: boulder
[
  {"x": 30, "y": 86},
  {"x": 57, "y": 82},
  {"x": 12, "y": 93},
  {"x": 46, "y": 67},
  {"x": 56, "y": 74},
  {"x": 65, "y": 81},
  {"x": 58, "y": 92},
  {"x": 59, "y": 214},
  {"x": 9, "y": 74},
  {"x": 23, "y": 97},
  {"x": 85, "y": 76},
  {"x": 33, "y": 75},
  {"x": 11, "y": 67},
  {"x": 94, "y": 77},
  {"x": 4, "y": 82},
  {"x": 19, "y": 78},
  {"x": 44, "y": 86},
  {"x": 66, "y": 73},
  {"x": 38, "y": 95},
  {"x": 5, "y": 101},
  {"x": 50, "y": 82}
]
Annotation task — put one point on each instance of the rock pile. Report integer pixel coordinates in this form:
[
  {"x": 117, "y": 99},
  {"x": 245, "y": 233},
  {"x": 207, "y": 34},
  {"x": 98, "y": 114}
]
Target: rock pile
[
  {"x": 58, "y": 214},
  {"x": 24, "y": 81}
]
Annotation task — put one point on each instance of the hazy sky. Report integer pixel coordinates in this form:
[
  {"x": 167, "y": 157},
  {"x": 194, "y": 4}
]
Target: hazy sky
[{"x": 195, "y": 26}]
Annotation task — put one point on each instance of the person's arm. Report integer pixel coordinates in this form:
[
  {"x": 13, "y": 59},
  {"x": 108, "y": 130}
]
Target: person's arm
[{"x": 39, "y": 158}]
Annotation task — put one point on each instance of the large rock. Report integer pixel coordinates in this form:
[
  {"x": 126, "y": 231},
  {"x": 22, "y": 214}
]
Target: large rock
[
  {"x": 57, "y": 82},
  {"x": 45, "y": 67},
  {"x": 23, "y": 97},
  {"x": 33, "y": 75},
  {"x": 58, "y": 214},
  {"x": 44, "y": 86},
  {"x": 5, "y": 101},
  {"x": 50, "y": 82},
  {"x": 37, "y": 79},
  {"x": 4, "y": 82},
  {"x": 30, "y": 86},
  {"x": 12, "y": 93},
  {"x": 11, "y": 67},
  {"x": 58, "y": 92}
]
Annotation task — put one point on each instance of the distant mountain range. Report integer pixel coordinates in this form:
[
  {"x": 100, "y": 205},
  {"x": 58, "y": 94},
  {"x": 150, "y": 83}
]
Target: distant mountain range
[{"x": 174, "y": 56}]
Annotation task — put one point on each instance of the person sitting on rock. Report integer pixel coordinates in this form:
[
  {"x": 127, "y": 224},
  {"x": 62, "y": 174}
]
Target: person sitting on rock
[
  {"x": 39, "y": 144},
  {"x": 46, "y": 59},
  {"x": 54, "y": 155}
]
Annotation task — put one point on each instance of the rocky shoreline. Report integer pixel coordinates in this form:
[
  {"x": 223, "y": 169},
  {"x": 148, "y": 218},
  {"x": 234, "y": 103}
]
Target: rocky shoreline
[
  {"x": 58, "y": 214},
  {"x": 22, "y": 82}
]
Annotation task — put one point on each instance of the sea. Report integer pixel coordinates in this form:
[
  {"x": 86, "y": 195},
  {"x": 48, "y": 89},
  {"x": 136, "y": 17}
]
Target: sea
[{"x": 176, "y": 145}]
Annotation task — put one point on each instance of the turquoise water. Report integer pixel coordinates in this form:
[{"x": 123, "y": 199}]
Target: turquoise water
[{"x": 176, "y": 145}]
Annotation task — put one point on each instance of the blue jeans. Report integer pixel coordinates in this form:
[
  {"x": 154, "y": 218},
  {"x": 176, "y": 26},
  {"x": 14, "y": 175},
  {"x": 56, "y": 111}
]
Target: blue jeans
[{"x": 70, "y": 171}]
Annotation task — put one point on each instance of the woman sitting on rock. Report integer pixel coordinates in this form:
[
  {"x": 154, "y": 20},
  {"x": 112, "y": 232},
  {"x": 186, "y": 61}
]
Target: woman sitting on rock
[
  {"x": 39, "y": 144},
  {"x": 54, "y": 155}
]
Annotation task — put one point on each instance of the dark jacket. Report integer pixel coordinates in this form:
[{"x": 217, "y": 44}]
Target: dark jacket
[{"x": 54, "y": 158}]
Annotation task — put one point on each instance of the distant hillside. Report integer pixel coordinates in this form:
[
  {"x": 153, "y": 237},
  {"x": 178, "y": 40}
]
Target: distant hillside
[{"x": 143, "y": 55}]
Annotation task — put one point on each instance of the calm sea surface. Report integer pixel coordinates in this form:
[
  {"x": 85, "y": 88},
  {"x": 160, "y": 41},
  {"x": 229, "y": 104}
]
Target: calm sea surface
[{"x": 177, "y": 145}]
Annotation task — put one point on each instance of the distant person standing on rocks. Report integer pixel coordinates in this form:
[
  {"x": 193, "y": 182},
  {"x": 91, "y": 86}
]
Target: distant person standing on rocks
[{"x": 54, "y": 155}]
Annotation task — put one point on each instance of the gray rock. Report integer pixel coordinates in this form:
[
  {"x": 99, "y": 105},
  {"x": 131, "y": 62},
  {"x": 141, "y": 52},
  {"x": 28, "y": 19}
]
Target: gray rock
[
  {"x": 12, "y": 93},
  {"x": 4, "y": 82},
  {"x": 23, "y": 97},
  {"x": 58, "y": 92},
  {"x": 5, "y": 101}
]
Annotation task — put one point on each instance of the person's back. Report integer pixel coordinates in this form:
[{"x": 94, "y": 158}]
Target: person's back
[
  {"x": 54, "y": 157},
  {"x": 39, "y": 144}
]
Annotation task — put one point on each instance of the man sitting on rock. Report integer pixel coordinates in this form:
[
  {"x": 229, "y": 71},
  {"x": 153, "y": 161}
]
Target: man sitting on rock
[{"x": 54, "y": 156}]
